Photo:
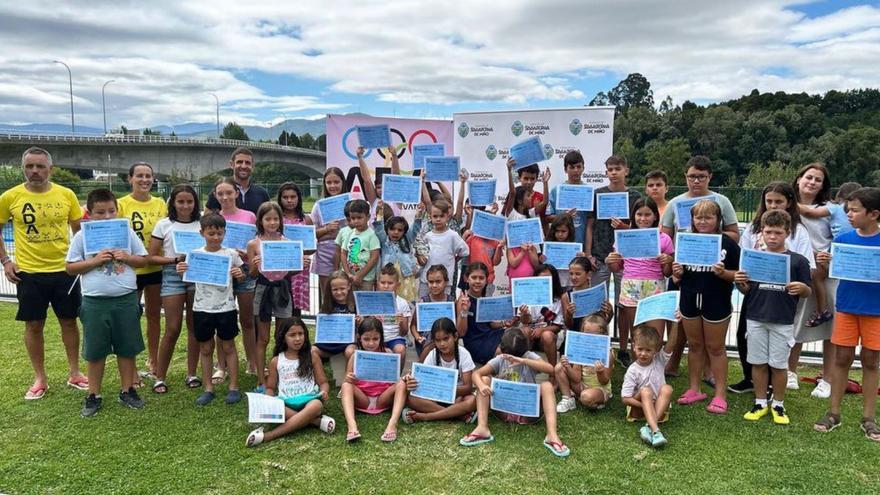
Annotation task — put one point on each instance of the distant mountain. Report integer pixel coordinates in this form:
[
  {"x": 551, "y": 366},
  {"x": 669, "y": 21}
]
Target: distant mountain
[{"x": 48, "y": 129}]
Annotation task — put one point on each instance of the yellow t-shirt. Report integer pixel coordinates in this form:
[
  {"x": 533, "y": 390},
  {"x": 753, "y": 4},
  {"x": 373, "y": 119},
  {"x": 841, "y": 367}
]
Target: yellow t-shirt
[
  {"x": 40, "y": 226},
  {"x": 143, "y": 215}
]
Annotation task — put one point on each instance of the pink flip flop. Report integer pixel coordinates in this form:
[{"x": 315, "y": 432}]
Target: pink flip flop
[
  {"x": 690, "y": 397},
  {"x": 36, "y": 392}
]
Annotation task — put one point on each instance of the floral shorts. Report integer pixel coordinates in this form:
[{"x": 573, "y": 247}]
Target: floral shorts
[{"x": 633, "y": 290}]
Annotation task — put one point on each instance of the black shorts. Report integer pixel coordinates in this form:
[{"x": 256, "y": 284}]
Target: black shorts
[
  {"x": 37, "y": 291},
  {"x": 225, "y": 325},
  {"x": 713, "y": 308},
  {"x": 146, "y": 279}
]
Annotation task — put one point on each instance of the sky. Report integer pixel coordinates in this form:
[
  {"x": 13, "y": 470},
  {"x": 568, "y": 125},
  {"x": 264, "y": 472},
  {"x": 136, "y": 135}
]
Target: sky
[{"x": 304, "y": 59}]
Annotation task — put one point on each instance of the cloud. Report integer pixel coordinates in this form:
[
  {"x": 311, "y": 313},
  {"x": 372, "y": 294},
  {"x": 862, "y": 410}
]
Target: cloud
[{"x": 167, "y": 56}]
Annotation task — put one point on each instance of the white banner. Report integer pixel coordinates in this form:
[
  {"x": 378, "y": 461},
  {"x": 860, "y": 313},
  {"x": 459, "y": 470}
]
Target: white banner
[{"x": 482, "y": 140}]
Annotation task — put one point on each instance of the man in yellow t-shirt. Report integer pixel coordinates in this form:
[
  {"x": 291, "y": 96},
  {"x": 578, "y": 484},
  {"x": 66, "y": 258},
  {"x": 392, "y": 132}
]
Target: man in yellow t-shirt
[{"x": 42, "y": 215}]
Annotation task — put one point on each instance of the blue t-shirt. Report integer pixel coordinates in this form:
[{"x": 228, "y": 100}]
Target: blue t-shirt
[
  {"x": 859, "y": 298},
  {"x": 839, "y": 222},
  {"x": 579, "y": 219}
]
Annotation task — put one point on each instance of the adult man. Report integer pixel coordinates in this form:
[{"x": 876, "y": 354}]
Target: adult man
[
  {"x": 250, "y": 196},
  {"x": 41, "y": 213}
]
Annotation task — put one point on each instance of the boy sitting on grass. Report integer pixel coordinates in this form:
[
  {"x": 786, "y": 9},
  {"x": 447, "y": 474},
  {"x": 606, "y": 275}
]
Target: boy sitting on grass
[{"x": 109, "y": 312}]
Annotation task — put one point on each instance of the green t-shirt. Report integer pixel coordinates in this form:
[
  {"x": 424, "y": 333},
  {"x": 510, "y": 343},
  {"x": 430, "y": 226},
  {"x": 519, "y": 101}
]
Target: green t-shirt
[{"x": 358, "y": 246}]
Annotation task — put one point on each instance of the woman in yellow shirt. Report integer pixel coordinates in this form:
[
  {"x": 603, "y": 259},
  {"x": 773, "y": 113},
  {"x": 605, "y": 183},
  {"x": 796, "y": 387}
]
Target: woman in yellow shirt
[{"x": 144, "y": 210}]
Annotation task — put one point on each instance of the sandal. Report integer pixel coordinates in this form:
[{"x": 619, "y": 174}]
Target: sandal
[
  {"x": 327, "y": 425},
  {"x": 717, "y": 406},
  {"x": 138, "y": 384},
  {"x": 352, "y": 436},
  {"x": 872, "y": 432},
  {"x": 389, "y": 436},
  {"x": 828, "y": 423},
  {"x": 406, "y": 416},
  {"x": 218, "y": 377},
  {"x": 254, "y": 438},
  {"x": 36, "y": 392},
  {"x": 557, "y": 448},
  {"x": 148, "y": 375},
  {"x": 160, "y": 388},
  {"x": 193, "y": 382},
  {"x": 690, "y": 397},
  {"x": 78, "y": 382},
  {"x": 817, "y": 318},
  {"x": 472, "y": 440}
]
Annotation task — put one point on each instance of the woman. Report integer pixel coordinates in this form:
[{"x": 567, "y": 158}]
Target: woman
[{"x": 812, "y": 187}]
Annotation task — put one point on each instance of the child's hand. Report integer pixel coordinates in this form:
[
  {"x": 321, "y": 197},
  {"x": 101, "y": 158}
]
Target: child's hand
[
  {"x": 358, "y": 319},
  {"x": 614, "y": 257},
  {"x": 463, "y": 304},
  {"x": 571, "y": 212},
  {"x": 420, "y": 208},
  {"x": 104, "y": 256},
  {"x": 563, "y": 360},
  {"x": 121, "y": 256},
  {"x": 466, "y": 235},
  {"x": 599, "y": 366},
  {"x": 411, "y": 382},
  {"x": 513, "y": 360},
  {"x": 823, "y": 258},
  {"x": 181, "y": 268},
  {"x": 256, "y": 261},
  {"x": 360, "y": 152},
  {"x": 510, "y": 164},
  {"x": 741, "y": 277},
  {"x": 568, "y": 307},
  {"x": 677, "y": 269},
  {"x": 350, "y": 378},
  {"x": 324, "y": 396},
  {"x": 420, "y": 339},
  {"x": 236, "y": 273},
  {"x": 400, "y": 318},
  {"x": 665, "y": 259},
  {"x": 357, "y": 279},
  {"x": 797, "y": 289},
  {"x": 546, "y": 177},
  {"x": 421, "y": 260},
  {"x": 718, "y": 269},
  {"x": 493, "y": 208},
  {"x": 469, "y": 210},
  {"x": 391, "y": 150},
  {"x": 462, "y": 175},
  {"x": 542, "y": 258},
  {"x": 619, "y": 224},
  {"x": 608, "y": 309},
  {"x": 483, "y": 389},
  {"x": 524, "y": 313},
  {"x": 531, "y": 247},
  {"x": 307, "y": 263},
  {"x": 332, "y": 227}
]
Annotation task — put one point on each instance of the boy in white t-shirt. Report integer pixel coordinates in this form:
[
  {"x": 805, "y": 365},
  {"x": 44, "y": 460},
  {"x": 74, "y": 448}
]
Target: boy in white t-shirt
[
  {"x": 214, "y": 311},
  {"x": 445, "y": 245},
  {"x": 109, "y": 311}
]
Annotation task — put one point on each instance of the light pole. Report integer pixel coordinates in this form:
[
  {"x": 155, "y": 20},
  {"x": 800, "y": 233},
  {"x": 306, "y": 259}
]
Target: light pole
[
  {"x": 70, "y": 80},
  {"x": 218, "y": 113},
  {"x": 104, "y": 104}
]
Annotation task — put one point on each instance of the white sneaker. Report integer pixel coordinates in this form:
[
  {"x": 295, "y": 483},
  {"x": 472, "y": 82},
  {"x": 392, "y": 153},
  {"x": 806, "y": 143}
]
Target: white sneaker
[
  {"x": 793, "y": 382},
  {"x": 566, "y": 404},
  {"x": 822, "y": 390}
]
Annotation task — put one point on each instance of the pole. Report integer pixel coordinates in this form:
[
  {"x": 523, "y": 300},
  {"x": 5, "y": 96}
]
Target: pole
[
  {"x": 218, "y": 113},
  {"x": 104, "y": 104},
  {"x": 70, "y": 81}
]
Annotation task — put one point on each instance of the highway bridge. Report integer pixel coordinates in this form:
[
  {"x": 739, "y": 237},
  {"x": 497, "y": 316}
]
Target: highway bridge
[{"x": 188, "y": 156}]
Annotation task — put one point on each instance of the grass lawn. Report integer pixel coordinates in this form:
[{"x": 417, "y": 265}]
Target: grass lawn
[{"x": 172, "y": 446}]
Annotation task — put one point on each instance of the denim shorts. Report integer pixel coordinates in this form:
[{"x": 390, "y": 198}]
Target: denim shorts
[
  {"x": 247, "y": 285},
  {"x": 172, "y": 282}
]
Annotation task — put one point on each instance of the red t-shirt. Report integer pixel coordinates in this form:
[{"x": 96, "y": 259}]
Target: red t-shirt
[{"x": 483, "y": 250}]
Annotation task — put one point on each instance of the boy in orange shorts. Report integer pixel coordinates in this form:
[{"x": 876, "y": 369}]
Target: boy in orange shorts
[{"x": 857, "y": 317}]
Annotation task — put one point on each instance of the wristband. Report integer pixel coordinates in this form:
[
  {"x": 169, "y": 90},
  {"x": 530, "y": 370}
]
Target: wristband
[{"x": 4, "y": 260}]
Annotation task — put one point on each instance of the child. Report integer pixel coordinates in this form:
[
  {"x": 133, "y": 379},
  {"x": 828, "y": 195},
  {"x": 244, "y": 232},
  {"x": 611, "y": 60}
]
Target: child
[
  {"x": 448, "y": 354},
  {"x": 444, "y": 244},
  {"x": 109, "y": 309},
  {"x": 144, "y": 211},
  {"x": 214, "y": 311},
  {"x": 486, "y": 251},
  {"x": 769, "y": 314},
  {"x": 338, "y": 300},
  {"x": 290, "y": 199},
  {"x": 395, "y": 239},
  {"x": 480, "y": 339},
  {"x": 588, "y": 385},
  {"x": 839, "y": 224},
  {"x": 515, "y": 363},
  {"x": 544, "y": 326},
  {"x": 371, "y": 397},
  {"x": 438, "y": 280},
  {"x": 573, "y": 165},
  {"x": 523, "y": 201},
  {"x": 656, "y": 187},
  {"x": 395, "y": 327},
  {"x": 360, "y": 247},
  {"x": 373, "y": 188},
  {"x": 645, "y": 391},
  {"x": 272, "y": 292},
  {"x": 296, "y": 377},
  {"x": 579, "y": 270},
  {"x": 705, "y": 308},
  {"x": 562, "y": 230},
  {"x": 528, "y": 177},
  {"x": 776, "y": 195},
  {"x": 183, "y": 215},
  {"x": 226, "y": 193},
  {"x": 334, "y": 184},
  {"x": 641, "y": 278},
  {"x": 858, "y": 317},
  {"x": 521, "y": 260}
]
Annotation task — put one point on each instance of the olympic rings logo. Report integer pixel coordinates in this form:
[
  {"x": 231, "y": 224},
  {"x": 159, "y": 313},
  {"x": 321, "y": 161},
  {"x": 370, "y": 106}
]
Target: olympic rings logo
[{"x": 403, "y": 147}]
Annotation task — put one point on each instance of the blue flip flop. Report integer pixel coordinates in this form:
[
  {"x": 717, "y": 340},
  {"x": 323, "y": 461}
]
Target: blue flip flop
[
  {"x": 475, "y": 440},
  {"x": 551, "y": 446}
]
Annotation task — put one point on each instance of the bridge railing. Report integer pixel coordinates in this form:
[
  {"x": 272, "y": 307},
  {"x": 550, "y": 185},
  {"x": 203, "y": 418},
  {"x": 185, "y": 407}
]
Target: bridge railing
[{"x": 137, "y": 139}]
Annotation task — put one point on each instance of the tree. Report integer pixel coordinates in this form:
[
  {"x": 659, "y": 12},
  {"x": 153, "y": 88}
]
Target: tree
[
  {"x": 762, "y": 174},
  {"x": 149, "y": 132},
  {"x": 234, "y": 131},
  {"x": 293, "y": 140},
  {"x": 321, "y": 143},
  {"x": 634, "y": 91},
  {"x": 307, "y": 141},
  {"x": 123, "y": 130},
  {"x": 283, "y": 138},
  {"x": 669, "y": 156}
]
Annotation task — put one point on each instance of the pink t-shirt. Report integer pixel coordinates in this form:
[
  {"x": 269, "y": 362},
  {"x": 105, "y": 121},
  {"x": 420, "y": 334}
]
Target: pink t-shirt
[
  {"x": 241, "y": 216},
  {"x": 525, "y": 268},
  {"x": 648, "y": 269}
]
